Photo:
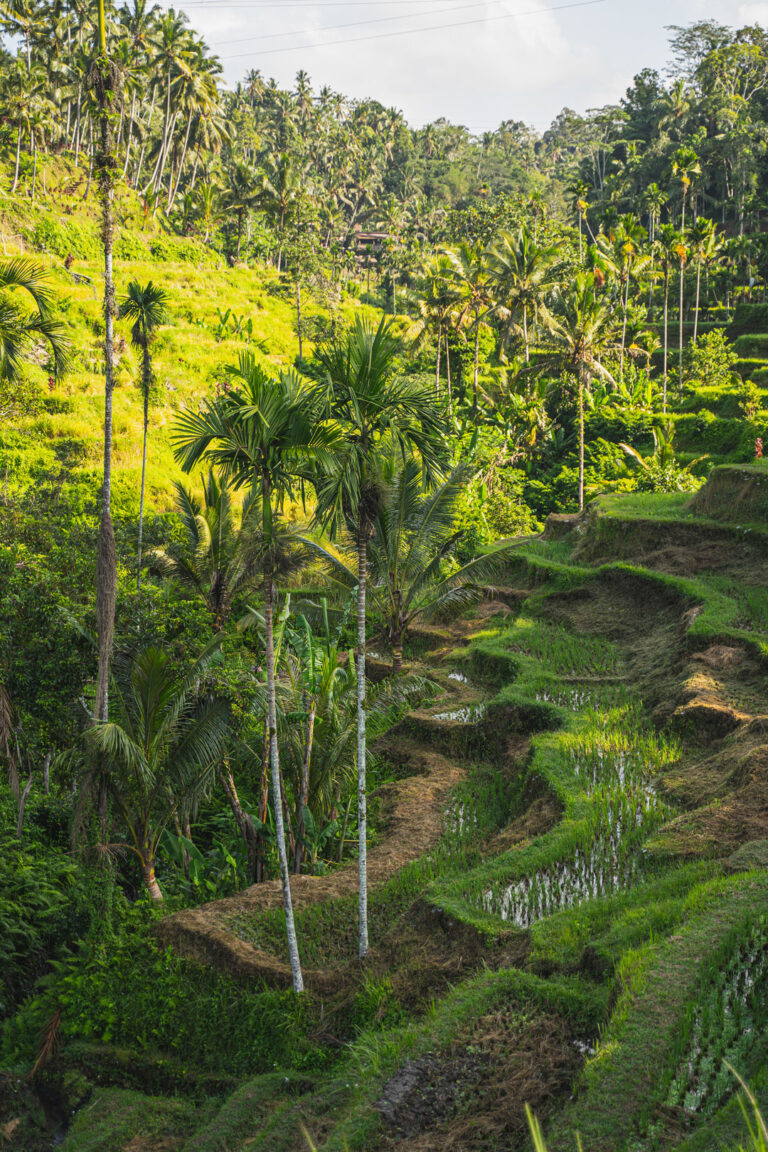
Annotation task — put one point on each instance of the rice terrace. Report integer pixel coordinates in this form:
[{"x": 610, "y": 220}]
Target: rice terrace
[{"x": 383, "y": 598}]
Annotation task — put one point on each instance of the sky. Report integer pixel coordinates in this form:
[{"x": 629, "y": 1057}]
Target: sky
[{"x": 496, "y": 60}]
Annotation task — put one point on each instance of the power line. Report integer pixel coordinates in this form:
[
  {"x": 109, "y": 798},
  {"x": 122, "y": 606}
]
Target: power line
[
  {"x": 301, "y": 3},
  {"x": 358, "y": 23},
  {"x": 415, "y": 31}
]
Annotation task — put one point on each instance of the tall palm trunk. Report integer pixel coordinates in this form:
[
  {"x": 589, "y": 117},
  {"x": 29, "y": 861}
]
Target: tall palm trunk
[
  {"x": 304, "y": 789},
  {"x": 298, "y": 312},
  {"x": 624, "y": 329},
  {"x": 581, "y": 439},
  {"x": 274, "y": 756},
  {"x": 475, "y": 368},
  {"x": 242, "y": 819},
  {"x": 680, "y": 334},
  {"x": 173, "y": 187},
  {"x": 525, "y": 335},
  {"x": 437, "y": 359},
  {"x": 18, "y": 160},
  {"x": 129, "y": 135},
  {"x": 106, "y": 571},
  {"x": 145, "y": 386},
  {"x": 362, "y": 572},
  {"x": 698, "y": 295},
  {"x": 448, "y": 374},
  {"x": 666, "y": 337}
]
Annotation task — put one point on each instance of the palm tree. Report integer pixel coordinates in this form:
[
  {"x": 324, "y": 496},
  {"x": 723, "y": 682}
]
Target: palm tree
[
  {"x": 160, "y": 750},
  {"x": 240, "y": 196},
  {"x": 147, "y": 307},
  {"x": 471, "y": 273},
  {"x": 523, "y": 273},
  {"x": 261, "y": 435},
  {"x": 21, "y": 329},
  {"x": 579, "y": 331},
  {"x": 438, "y": 299},
  {"x": 413, "y": 536},
  {"x": 379, "y": 412},
  {"x": 685, "y": 165},
  {"x": 705, "y": 243},
  {"x": 654, "y": 200},
  {"x": 620, "y": 254},
  {"x": 218, "y": 559},
  {"x": 103, "y": 80},
  {"x": 667, "y": 246}
]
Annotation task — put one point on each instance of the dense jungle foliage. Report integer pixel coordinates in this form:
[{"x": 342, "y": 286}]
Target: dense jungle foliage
[{"x": 344, "y": 804}]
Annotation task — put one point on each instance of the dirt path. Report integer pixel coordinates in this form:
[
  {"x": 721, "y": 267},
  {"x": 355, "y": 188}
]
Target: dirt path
[{"x": 415, "y": 809}]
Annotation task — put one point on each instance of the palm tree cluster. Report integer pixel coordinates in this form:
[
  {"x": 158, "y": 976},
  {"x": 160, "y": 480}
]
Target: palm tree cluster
[
  {"x": 365, "y": 445},
  {"x": 262, "y": 164}
]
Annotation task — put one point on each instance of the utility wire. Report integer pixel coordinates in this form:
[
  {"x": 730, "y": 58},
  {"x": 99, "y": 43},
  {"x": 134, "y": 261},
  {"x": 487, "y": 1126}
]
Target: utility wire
[
  {"x": 415, "y": 31},
  {"x": 357, "y": 23}
]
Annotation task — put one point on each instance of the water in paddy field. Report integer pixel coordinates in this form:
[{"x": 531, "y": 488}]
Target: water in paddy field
[
  {"x": 608, "y": 864},
  {"x": 469, "y": 714}
]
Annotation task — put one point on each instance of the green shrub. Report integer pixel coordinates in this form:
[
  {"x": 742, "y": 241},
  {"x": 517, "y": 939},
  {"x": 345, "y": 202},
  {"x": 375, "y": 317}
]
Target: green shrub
[
  {"x": 62, "y": 239},
  {"x": 749, "y": 318},
  {"x": 180, "y": 249},
  {"x": 128, "y": 246}
]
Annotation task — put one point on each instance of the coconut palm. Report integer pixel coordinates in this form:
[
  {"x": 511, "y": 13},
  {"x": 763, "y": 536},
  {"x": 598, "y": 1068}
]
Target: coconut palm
[
  {"x": 147, "y": 307},
  {"x": 262, "y": 434},
  {"x": 476, "y": 298},
  {"x": 413, "y": 537},
  {"x": 580, "y": 330},
  {"x": 160, "y": 749},
  {"x": 522, "y": 273},
  {"x": 705, "y": 244},
  {"x": 667, "y": 246},
  {"x": 218, "y": 559},
  {"x": 379, "y": 412}
]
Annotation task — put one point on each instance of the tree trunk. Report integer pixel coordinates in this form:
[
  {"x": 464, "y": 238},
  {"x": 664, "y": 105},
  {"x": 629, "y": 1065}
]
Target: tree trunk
[
  {"x": 698, "y": 293},
  {"x": 18, "y": 160},
  {"x": 666, "y": 337},
  {"x": 304, "y": 791},
  {"x": 106, "y": 573},
  {"x": 242, "y": 818},
  {"x": 437, "y": 360},
  {"x": 22, "y": 806},
  {"x": 298, "y": 313},
  {"x": 475, "y": 368},
  {"x": 362, "y": 566},
  {"x": 129, "y": 135},
  {"x": 290, "y": 927},
  {"x": 34, "y": 173},
  {"x": 680, "y": 334},
  {"x": 397, "y": 651},
  {"x": 525, "y": 334},
  {"x": 171, "y": 185},
  {"x": 147, "y": 373},
  {"x": 263, "y": 806},
  {"x": 448, "y": 374},
  {"x": 581, "y": 441},
  {"x": 624, "y": 329},
  {"x": 148, "y": 874}
]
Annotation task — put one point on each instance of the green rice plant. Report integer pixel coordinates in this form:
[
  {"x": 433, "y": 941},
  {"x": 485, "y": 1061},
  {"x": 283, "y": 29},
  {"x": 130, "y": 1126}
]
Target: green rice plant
[
  {"x": 724, "y": 1021},
  {"x": 560, "y": 651}
]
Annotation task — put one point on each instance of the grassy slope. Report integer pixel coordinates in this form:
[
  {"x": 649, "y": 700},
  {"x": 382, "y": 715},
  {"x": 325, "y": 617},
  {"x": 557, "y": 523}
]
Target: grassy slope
[{"x": 188, "y": 357}]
